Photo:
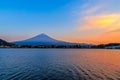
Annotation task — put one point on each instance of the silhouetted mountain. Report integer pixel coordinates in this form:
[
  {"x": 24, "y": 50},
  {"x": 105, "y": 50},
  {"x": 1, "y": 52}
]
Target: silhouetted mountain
[
  {"x": 4, "y": 43},
  {"x": 43, "y": 39}
]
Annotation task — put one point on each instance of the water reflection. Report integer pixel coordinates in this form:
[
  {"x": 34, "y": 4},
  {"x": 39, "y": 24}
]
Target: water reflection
[{"x": 59, "y": 64}]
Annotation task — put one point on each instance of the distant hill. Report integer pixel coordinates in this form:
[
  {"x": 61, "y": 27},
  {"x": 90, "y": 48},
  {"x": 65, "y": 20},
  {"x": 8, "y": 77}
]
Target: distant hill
[
  {"x": 43, "y": 39},
  {"x": 4, "y": 43}
]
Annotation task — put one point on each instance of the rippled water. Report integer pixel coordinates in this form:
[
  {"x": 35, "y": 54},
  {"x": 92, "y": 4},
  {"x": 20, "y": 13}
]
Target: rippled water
[{"x": 59, "y": 64}]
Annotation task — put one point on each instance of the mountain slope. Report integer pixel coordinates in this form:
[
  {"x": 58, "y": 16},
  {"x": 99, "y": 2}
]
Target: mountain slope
[
  {"x": 4, "y": 43},
  {"x": 41, "y": 39}
]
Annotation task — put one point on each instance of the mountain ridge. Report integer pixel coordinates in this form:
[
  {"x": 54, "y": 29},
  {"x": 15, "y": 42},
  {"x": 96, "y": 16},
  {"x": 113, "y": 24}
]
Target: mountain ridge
[
  {"x": 42, "y": 39},
  {"x": 4, "y": 43}
]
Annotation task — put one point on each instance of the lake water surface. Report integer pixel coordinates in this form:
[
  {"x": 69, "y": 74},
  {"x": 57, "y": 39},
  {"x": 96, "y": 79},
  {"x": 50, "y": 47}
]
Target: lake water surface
[{"x": 59, "y": 64}]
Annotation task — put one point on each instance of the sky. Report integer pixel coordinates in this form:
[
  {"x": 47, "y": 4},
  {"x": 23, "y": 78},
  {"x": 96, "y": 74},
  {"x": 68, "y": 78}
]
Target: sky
[{"x": 82, "y": 21}]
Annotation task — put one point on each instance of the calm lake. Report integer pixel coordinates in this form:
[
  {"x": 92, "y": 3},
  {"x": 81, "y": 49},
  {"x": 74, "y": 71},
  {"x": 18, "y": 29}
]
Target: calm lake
[{"x": 59, "y": 64}]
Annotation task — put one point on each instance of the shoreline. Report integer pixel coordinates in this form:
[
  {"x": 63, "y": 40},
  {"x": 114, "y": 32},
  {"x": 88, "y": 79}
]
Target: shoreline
[{"x": 62, "y": 48}]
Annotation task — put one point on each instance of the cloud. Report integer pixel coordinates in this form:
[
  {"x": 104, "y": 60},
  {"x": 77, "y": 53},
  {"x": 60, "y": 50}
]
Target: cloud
[
  {"x": 98, "y": 15},
  {"x": 105, "y": 26},
  {"x": 92, "y": 10},
  {"x": 108, "y": 22},
  {"x": 99, "y": 21}
]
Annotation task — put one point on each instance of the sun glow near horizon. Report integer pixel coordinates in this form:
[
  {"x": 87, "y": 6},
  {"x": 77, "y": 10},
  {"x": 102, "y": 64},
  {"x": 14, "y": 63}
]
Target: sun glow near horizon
[
  {"x": 107, "y": 27},
  {"x": 100, "y": 23}
]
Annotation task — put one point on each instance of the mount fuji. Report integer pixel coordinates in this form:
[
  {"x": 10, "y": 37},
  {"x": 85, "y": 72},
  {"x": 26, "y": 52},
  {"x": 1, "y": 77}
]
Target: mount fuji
[{"x": 42, "y": 39}]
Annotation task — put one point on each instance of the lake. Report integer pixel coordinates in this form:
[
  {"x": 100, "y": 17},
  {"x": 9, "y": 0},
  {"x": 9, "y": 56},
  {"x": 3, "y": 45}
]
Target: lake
[{"x": 59, "y": 64}]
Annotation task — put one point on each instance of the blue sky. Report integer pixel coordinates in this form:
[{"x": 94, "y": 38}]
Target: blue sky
[
  {"x": 62, "y": 19},
  {"x": 32, "y": 17}
]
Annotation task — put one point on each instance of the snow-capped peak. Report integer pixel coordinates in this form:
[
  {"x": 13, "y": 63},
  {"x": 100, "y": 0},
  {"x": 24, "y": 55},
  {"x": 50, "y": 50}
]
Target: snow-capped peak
[{"x": 41, "y": 38}]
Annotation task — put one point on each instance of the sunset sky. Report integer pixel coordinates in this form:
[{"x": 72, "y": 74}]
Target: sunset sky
[{"x": 83, "y": 21}]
